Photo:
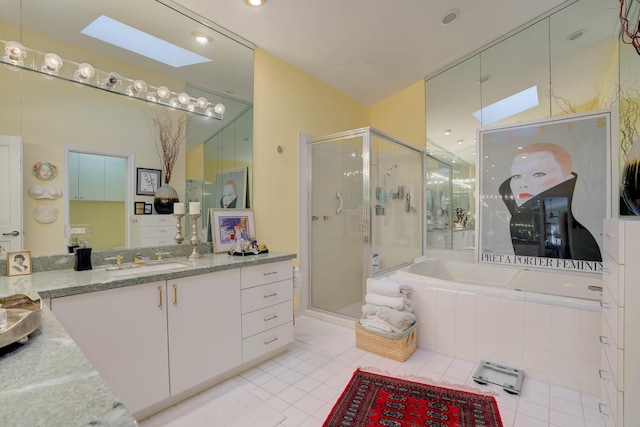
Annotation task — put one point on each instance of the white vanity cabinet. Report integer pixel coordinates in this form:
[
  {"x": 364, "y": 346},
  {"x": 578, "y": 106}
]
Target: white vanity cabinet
[
  {"x": 152, "y": 230},
  {"x": 267, "y": 308},
  {"x": 620, "y": 370},
  {"x": 157, "y": 343},
  {"x": 123, "y": 333},
  {"x": 204, "y": 332}
]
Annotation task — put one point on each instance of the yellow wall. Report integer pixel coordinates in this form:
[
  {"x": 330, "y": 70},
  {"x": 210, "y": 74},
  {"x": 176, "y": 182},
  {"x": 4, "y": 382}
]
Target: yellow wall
[
  {"x": 402, "y": 115},
  {"x": 288, "y": 101},
  {"x": 104, "y": 218}
]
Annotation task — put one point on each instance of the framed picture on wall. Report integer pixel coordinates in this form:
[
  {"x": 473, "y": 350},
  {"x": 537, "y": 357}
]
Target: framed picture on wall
[
  {"x": 544, "y": 189},
  {"x": 148, "y": 208},
  {"x": 18, "y": 263},
  {"x": 139, "y": 208},
  {"x": 148, "y": 181},
  {"x": 231, "y": 189},
  {"x": 225, "y": 222}
]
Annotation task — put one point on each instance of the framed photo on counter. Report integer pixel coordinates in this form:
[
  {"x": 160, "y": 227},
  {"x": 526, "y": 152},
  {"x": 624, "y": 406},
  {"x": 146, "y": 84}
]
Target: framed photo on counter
[
  {"x": 224, "y": 223},
  {"x": 18, "y": 263}
]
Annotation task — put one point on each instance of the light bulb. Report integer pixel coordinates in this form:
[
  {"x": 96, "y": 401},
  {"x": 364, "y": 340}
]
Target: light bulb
[
  {"x": 209, "y": 112},
  {"x": 202, "y": 102},
  {"x": 191, "y": 107},
  {"x": 14, "y": 53},
  {"x": 219, "y": 108},
  {"x": 184, "y": 98},
  {"x": 139, "y": 86},
  {"x": 52, "y": 63},
  {"x": 163, "y": 92},
  {"x": 112, "y": 80},
  {"x": 84, "y": 72}
]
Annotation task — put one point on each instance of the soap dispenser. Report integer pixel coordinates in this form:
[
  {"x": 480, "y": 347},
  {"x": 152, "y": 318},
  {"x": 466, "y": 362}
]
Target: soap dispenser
[{"x": 83, "y": 257}]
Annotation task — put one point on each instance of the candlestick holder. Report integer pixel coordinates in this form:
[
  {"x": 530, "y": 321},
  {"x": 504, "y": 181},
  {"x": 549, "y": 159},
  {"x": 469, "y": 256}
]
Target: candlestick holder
[
  {"x": 179, "y": 237},
  {"x": 194, "y": 237}
]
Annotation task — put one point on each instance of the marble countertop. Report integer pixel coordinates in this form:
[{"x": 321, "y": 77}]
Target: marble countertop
[{"x": 48, "y": 380}]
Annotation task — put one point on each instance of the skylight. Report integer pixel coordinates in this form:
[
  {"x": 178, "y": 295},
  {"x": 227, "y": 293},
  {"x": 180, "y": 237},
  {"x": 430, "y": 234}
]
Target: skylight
[
  {"x": 118, "y": 34},
  {"x": 507, "y": 107}
]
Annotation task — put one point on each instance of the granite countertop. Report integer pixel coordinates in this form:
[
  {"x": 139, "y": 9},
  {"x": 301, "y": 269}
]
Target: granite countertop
[{"x": 48, "y": 381}]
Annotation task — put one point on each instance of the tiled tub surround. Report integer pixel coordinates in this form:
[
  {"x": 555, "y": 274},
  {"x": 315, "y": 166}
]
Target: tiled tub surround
[
  {"x": 48, "y": 381},
  {"x": 553, "y": 339}
]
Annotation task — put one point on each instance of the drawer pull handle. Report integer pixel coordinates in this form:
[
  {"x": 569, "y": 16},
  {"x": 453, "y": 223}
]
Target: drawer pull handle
[
  {"x": 271, "y": 295},
  {"x": 270, "y": 273},
  {"x": 160, "y": 293},
  {"x": 603, "y": 374},
  {"x": 272, "y": 317},
  {"x": 604, "y": 304},
  {"x": 603, "y": 409},
  {"x": 269, "y": 341},
  {"x": 175, "y": 294},
  {"x": 604, "y": 340}
]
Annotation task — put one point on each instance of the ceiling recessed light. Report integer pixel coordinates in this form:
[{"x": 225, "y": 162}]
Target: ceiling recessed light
[
  {"x": 576, "y": 35},
  {"x": 255, "y": 3},
  {"x": 447, "y": 132},
  {"x": 449, "y": 16},
  {"x": 202, "y": 38}
]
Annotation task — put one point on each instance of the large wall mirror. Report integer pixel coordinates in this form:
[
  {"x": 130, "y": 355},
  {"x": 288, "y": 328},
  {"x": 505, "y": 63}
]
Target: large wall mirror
[
  {"x": 97, "y": 139},
  {"x": 567, "y": 59}
]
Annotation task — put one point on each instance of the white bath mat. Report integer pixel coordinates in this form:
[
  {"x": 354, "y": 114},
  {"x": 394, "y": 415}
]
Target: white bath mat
[
  {"x": 236, "y": 408},
  {"x": 332, "y": 338}
]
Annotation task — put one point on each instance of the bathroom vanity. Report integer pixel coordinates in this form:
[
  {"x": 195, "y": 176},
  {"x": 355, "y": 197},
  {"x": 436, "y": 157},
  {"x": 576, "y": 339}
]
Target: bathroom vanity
[{"x": 159, "y": 336}]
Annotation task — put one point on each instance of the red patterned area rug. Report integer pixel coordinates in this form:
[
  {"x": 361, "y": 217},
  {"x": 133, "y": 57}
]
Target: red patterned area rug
[{"x": 371, "y": 400}]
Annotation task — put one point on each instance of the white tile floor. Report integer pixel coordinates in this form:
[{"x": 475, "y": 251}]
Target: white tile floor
[{"x": 305, "y": 381}]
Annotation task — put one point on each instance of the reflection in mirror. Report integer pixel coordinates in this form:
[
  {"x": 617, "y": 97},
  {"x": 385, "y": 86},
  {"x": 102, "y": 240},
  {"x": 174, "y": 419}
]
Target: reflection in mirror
[
  {"x": 568, "y": 57},
  {"x": 49, "y": 113},
  {"x": 98, "y": 200}
]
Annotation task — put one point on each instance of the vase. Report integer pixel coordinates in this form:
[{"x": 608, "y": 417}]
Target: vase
[
  {"x": 630, "y": 186},
  {"x": 164, "y": 199}
]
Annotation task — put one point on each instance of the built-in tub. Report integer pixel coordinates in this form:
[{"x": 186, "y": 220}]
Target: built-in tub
[
  {"x": 434, "y": 271},
  {"x": 547, "y": 323}
]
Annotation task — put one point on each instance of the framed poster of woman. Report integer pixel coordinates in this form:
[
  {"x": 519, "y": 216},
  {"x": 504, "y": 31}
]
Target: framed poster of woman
[
  {"x": 231, "y": 189},
  {"x": 544, "y": 190}
]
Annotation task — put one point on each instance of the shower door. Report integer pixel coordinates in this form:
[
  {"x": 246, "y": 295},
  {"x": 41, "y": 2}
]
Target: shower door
[
  {"x": 365, "y": 202},
  {"x": 338, "y": 227}
]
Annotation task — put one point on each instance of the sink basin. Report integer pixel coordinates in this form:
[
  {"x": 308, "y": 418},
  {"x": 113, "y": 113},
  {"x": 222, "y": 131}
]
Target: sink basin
[{"x": 134, "y": 269}]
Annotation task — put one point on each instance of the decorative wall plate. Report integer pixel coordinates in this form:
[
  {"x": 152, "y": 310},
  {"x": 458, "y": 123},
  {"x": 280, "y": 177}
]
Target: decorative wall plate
[
  {"x": 45, "y": 170},
  {"x": 45, "y": 214},
  {"x": 38, "y": 191}
]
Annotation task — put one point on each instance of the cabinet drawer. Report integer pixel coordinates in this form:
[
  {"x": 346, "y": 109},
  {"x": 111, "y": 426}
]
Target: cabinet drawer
[
  {"x": 614, "y": 318},
  {"x": 613, "y": 239},
  {"x": 153, "y": 220},
  {"x": 266, "y": 341},
  {"x": 267, "y": 318},
  {"x": 257, "y": 275},
  {"x": 157, "y": 231},
  {"x": 612, "y": 278},
  {"x": 266, "y": 295},
  {"x": 612, "y": 359}
]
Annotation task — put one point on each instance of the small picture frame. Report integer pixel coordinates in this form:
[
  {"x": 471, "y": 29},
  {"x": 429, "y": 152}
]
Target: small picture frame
[
  {"x": 148, "y": 181},
  {"x": 139, "y": 208},
  {"x": 148, "y": 208},
  {"x": 223, "y": 223},
  {"x": 18, "y": 263}
]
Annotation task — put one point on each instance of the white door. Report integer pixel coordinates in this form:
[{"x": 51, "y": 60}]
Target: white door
[{"x": 11, "y": 193}]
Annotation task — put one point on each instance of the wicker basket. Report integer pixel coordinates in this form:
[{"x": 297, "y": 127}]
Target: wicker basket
[{"x": 396, "y": 347}]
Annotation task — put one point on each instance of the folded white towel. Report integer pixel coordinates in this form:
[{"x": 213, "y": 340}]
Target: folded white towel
[
  {"x": 399, "y": 320},
  {"x": 374, "y": 322},
  {"x": 397, "y": 303},
  {"x": 389, "y": 287}
]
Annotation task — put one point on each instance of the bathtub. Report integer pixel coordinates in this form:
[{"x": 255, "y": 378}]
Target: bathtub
[
  {"x": 502, "y": 279},
  {"x": 547, "y": 323}
]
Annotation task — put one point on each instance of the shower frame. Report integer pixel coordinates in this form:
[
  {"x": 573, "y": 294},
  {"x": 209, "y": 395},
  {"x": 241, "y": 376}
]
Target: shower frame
[{"x": 368, "y": 201}]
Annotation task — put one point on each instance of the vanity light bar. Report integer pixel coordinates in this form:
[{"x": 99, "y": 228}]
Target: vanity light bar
[{"x": 51, "y": 64}]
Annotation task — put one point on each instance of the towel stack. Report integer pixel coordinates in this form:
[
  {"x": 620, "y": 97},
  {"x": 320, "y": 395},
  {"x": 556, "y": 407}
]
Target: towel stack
[{"x": 387, "y": 307}]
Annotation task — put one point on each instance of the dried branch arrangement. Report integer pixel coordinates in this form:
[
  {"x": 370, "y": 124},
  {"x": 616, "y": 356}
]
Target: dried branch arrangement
[{"x": 170, "y": 134}]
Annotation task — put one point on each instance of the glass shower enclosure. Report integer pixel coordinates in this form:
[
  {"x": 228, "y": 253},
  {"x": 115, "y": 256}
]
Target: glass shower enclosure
[{"x": 366, "y": 214}]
